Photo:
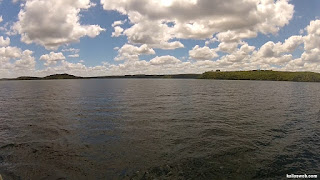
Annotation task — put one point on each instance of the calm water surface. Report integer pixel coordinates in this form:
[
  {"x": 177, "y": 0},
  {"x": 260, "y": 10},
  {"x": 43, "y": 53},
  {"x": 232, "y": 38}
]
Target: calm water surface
[{"x": 153, "y": 128}]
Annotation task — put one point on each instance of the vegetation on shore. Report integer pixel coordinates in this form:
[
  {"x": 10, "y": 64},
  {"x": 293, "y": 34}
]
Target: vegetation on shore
[{"x": 267, "y": 75}]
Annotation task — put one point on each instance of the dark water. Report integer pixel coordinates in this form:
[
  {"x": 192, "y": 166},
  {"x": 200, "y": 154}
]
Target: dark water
[{"x": 152, "y": 128}]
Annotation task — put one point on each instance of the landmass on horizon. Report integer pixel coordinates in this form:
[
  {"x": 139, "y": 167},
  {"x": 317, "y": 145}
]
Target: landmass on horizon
[{"x": 265, "y": 75}]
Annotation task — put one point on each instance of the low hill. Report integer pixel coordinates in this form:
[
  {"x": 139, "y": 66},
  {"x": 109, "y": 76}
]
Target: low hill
[
  {"x": 54, "y": 76},
  {"x": 61, "y": 76},
  {"x": 263, "y": 75}
]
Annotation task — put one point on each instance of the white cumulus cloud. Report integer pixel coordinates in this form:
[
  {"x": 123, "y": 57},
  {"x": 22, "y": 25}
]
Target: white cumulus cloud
[
  {"x": 52, "y": 58},
  {"x": 52, "y": 23},
  {"x": 15, "y": 62},
  {"x": 202, "y": 53},
  {"x": 117, "y": 31},
  {"x": 160, "y": 23},
  {"x": 10, "y": 52},
  {"x": 131, "y": 52},
  {"x": 4, "y": 41},
  {"x": 164, "y": 60}
]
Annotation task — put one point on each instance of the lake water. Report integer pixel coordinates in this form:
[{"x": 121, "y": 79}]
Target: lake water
[{"x": 158, "y": 128}]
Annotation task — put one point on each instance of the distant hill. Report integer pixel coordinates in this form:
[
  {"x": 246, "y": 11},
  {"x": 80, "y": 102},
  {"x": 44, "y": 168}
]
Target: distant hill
[
  {"x": 263, "y": 75},
  {"x": 62, "y": 76},
  {"x": 54, "y": 76}
]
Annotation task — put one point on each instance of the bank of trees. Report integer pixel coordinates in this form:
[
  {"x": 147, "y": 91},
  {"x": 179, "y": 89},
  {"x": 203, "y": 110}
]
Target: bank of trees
[{"x": 263, "y": 75}]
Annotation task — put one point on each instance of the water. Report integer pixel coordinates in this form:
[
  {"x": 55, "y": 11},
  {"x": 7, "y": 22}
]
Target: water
[{"x": 158, "y": 128}]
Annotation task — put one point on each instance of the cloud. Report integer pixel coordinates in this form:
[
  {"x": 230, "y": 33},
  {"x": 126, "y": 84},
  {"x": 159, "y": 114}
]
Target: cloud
[
  {"x": 15, "y": 62},
  {"x": 311, "y": 41},
  {"x": 152, "y": 33},
  {"x": 210, "y": 41},
  {"x": 309, "y": 59},
  {"x": 118, "y": 23},
  {"x": 312, "y": 55},
  {"x": 52, "y": 58},
  {"x": 279, "y": 56},
  {"x": 15, "y": 1},
  {"x": 131, "y": 52},
  {"x": 10, "y": 52},
  {"x": 73, "y": 55},
  {"x": 117, "y": 31},
  {"x": 291, "y": 43},
  {"x": 1, "y": 17},
  {"x": 202, "y": 53},
  {"x": 301, "y": 31},
  {"x": 160, "y": 23},
  {"x": 235, "y": 36},
  {"x": 228, "y": 47},
  {"x": 271, "y": 49},
  {"x": 52, "y": 23},
  {"x": 73, "y": 50},
  {"x": 4, "y": 42},
  {"x": 164, "y": 60},
  {"x": 240, "y": 55},
  {"x": 27, "y": 61}
]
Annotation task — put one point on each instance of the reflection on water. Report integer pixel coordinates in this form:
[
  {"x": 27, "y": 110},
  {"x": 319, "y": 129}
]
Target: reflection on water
[{"x": 153, "y": 128}]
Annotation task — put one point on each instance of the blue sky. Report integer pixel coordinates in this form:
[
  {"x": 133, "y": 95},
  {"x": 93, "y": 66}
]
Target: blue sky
[{"x": 158, "y": 37}]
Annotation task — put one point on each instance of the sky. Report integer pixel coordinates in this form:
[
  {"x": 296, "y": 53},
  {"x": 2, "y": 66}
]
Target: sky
[{"x": 120, "y": 37}]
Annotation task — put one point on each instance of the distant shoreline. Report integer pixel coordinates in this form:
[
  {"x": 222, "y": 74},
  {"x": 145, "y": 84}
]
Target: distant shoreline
[
  {"x": 265, "y": 75},
  {"x": 68, "y": 76}
]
